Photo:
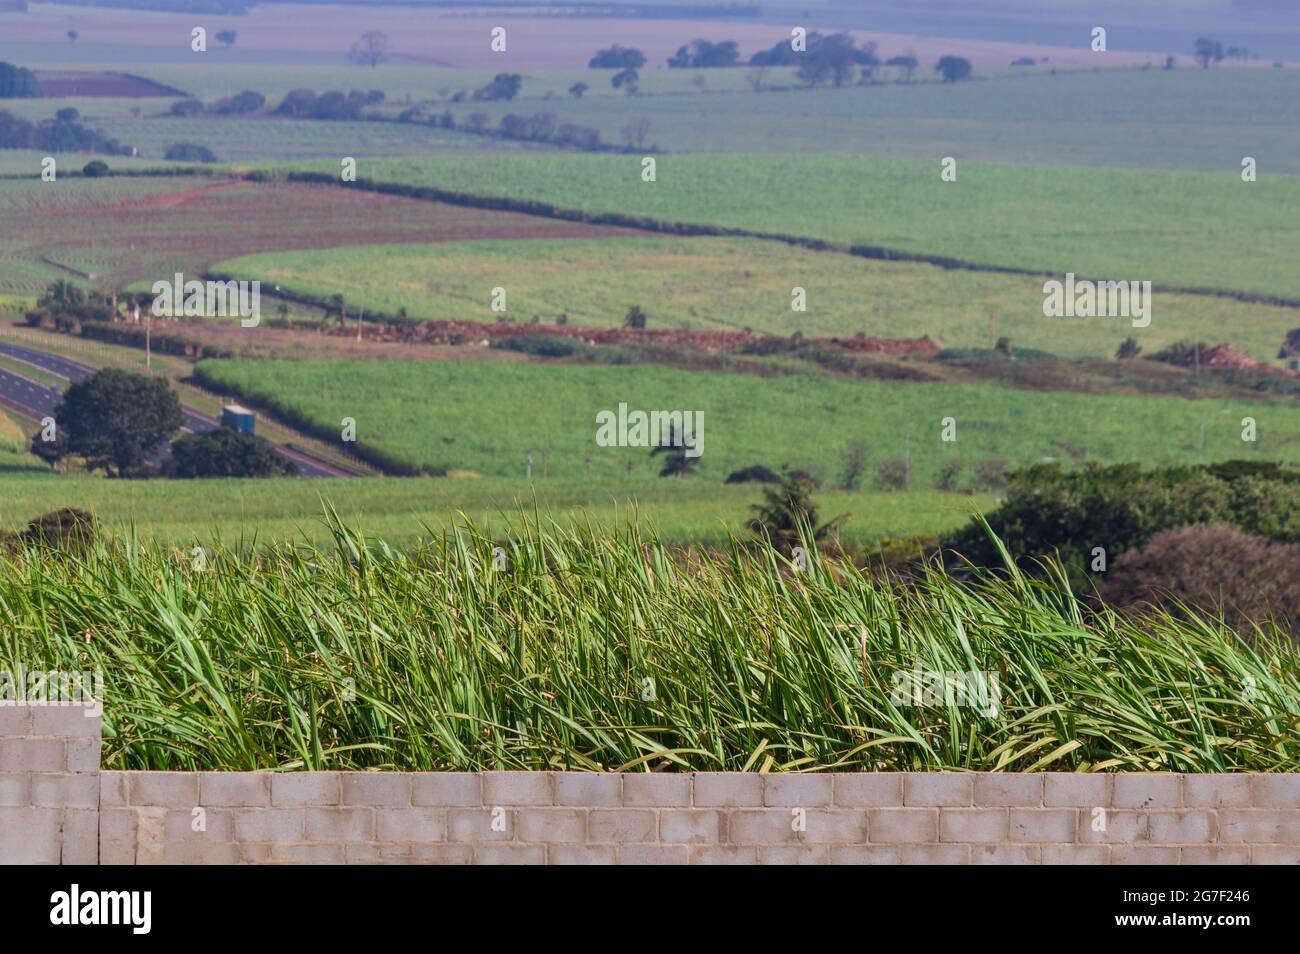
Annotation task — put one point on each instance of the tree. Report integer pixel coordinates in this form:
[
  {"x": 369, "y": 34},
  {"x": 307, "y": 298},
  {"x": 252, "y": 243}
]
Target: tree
[
  {"x": 702, "y": 54},
  {"x": 95, "y": 169},
  {"x": 18, "y": 83},
  {"x": 371, "y": 49},
  {"x": 1208, "y": 51},
  {"x": 635, "y": 318},
  {"x": 832, "y": 58},
  {"x": 226, "y": 453},
  {"x": 337, "y": 303},
  {"x": 503, "y": 86},
  {"x": 186, "y": 107},
  {"x": 953, "y": 68},
  {"x": 907, "y": 63},
  {"x": 249, "y": 101},
  {"x": 117, "y": 419},
  {"x": 854, "y": 460},
  {"x": 636, "y": 130},
  {"x": 617, "y": 58},
  {"x": 787, "y": 516},
  {"x": 678, "y": 462},
  {"x": 67, "y": 114},
  {"x": 627, "y": 79},
  {"x": 227, "y": 37},
  {"x": 1128, "y": 348},
  {"x": 189, "y": 152},
  {"x": 577, "y": 89}
]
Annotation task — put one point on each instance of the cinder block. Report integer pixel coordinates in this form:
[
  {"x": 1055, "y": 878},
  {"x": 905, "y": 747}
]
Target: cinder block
[
  {"x": 510, "y": 855},
  {"x": 14, "y": 790},
  {"x": 1143, "y": 855},
  {"x": 114, "y": 791},
  {"x": 31, "y": 755},
  {"x": 621, "y": 825},
  {"x": 518, "y": 788},
  {"x": 1122, "y": 828},
  {"x": 868, "y": 790},
  {"x": 769, "y": 826},
  {"x": 727, "y": 789},
  {"x": 30, "y": 836},
  {"x": 163, "y": 789},
  {"x": 308, "y": 854},
  {"x": 340, "y": 824},
  {"x": 305, "y": 789},
  {"x": 897, "y": 826},
  {"x": 653, "y": 855},
  {"x": 116, "y": 824},
  {"x": 973, "y": 824},
  {"x": 208, "y": 853},
  {"x": 1259, "y": 827},
  {"x": 864, "y": 855},
  {"x": 1215, "y": 855},
  {"x": 65, "y": 791},
  {"x": 446, "y": 790},
  {"x": 723, "y": 855},
  {"x": 80, "y": 837},
  {"x": 657, "y": 789},
  {"x": 116, "y": 852},
  {"x": 1216, "y": 791},
  {"x": 691, "y": 826},
  {"x": 791, "y": 789},
  {"x": 938, "y": 789},
  {"x": 65, "y": 722},
  {"x": 380, "y": 789},
  {"x": 269, "y": 824},
  {"x": 552, "y": 825},
  {"x": 199, "y": 824},
  {"x": 1183, "y": 828},
  {"x": 588, "y": 789},
  {"x": 1155, "y": 828},
  {"x": 1076, "y": 790},
  {"x": 793, "y": 855},
  {"x": 1275, "y": 791},
  {"x": 1018, "y": 790},
  {"x": 1005, "y": 855},
  {"x": 1043, "y": 825},
  {"x": 474, "y": 825},
  {"x": 15, "y": 721},
  {"x": 1076, "y": 854},
  {"x": 231, "y": 789},
  {"x": 1149, "y": 790},
  {"x": 82, "y": 755},
  {"x": 442, "y": 854},
  {"x": 934, "y": 854},
  {"x": 411, "y": 824},
  {"x": 1274, "y": 855},
  {"x": 832, "y": 827},
  {"x": 580, "y": 855}
]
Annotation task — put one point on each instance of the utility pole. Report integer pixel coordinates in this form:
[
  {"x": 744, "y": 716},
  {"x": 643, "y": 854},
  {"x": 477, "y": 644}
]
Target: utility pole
[{"x": 529, "y": 472}]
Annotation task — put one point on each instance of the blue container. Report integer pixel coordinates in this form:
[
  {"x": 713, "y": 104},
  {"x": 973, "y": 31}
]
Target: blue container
[{"x": 238, "y": 418}]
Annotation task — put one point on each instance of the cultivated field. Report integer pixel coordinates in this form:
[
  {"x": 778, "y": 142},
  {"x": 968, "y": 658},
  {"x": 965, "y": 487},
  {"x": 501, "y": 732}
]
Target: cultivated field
[
  {"x": 485, "y": 417},
  {"x": 1187, "y": 229},
  {"x": 730, "y": 284}
]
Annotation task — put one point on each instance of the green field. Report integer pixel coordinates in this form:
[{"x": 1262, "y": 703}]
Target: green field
[
  {"x": 1184, "y": 229},
  {"x": 400, "y": 509},
  {"x": 740, "y": 283},
  {"x": 485, "y": 417}
]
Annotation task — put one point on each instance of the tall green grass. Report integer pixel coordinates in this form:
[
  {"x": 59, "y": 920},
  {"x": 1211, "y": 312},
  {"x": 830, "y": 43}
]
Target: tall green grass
[{"x": 597, "y": 651}]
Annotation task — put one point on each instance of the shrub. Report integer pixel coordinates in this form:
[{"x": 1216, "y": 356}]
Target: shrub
[
  {"x": 635, "y": 318},
  {"x": 854, "y": 461},
  {"x": 893, "y": 474},
  {"x": 787, "y": 516},
  {"x": 186, "y": 107},
  {"x": 226, "y": 453},
  {"x": 67, "y": 529},
  {"x": 948, "y": 474},
  {"x": 617, "y": 58},
  {"x": 1215, "y": 569},
  {"x": 757, "y": 474},
  {"x": 542, "y": 346},
  {"x": 991, "y": 474},
  {"x": 189, "y": 152},
  {"x": 95, "y": 169}
]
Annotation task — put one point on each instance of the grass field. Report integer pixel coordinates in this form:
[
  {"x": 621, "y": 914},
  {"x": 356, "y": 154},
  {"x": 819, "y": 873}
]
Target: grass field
[
  {"x": 484, "y": 418},
  {"x": 740, "y": 283},
  {"x": 399, "y": 509},
  {"x": 1174, "y": 229}
]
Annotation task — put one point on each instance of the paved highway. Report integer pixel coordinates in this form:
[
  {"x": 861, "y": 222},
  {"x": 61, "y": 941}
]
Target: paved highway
[{"x": 37, "y": 401}]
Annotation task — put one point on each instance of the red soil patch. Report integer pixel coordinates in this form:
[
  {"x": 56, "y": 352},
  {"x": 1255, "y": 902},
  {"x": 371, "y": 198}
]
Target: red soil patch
[
  {"x": 201, "y": 223},
  {"x": 58, "y": 83},
  {"x": 459, "y": 332},
  {"x": 1226, "y": 356}
]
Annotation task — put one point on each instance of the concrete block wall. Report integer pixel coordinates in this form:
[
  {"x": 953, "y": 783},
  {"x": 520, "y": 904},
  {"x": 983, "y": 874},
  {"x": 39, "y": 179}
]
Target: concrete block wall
[
  {"x": 49, "y": 784},
  {"x": 57, "y": 807}
]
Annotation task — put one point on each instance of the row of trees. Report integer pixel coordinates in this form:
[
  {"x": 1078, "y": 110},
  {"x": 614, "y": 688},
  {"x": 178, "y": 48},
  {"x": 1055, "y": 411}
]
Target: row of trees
[
  {"x": 61, "y": 134},
  {"x": 18, "y": 83}
]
